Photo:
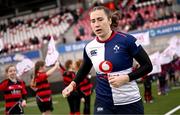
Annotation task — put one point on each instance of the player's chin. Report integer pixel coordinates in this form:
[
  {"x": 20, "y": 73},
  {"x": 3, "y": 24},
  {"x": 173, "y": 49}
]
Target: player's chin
[{"x": 98, "y": 33}]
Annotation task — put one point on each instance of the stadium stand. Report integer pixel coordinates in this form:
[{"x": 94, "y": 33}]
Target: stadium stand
[
  {"x": 141, "y": 16},
  {"x": 22, "y": 34}
]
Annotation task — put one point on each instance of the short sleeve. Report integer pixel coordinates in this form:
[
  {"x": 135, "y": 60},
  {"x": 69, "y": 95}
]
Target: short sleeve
[{"x": 3, "y": 85}]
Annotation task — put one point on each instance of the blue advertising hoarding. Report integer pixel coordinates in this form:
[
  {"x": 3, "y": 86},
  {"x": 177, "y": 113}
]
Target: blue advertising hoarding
[
  {"x": 10, "y": 58},
  {"x": 171, "y": 29},
  {"x": 72, "y": 47},
  {"x": 165, "y": 30}
]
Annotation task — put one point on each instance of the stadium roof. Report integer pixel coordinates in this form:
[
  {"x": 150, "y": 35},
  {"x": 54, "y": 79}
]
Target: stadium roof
[{"x": 15, "y": 7}]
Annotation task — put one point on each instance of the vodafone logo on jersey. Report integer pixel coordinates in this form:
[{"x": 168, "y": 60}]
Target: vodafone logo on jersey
[{"x": 106, "y": 66}]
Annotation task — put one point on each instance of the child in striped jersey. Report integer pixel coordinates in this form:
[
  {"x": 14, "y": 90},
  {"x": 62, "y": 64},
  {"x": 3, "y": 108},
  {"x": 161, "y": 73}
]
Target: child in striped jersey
[
  {"x": 85, "y": 90},
  {"x": 74, "y": 98},
  {"x": 42, "y": 86},
  {"x": 14, "y": 92}
]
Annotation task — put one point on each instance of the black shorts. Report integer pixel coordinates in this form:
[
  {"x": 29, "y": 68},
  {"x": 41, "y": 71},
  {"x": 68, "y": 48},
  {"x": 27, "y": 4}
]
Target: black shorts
[
  {"x": 132, "y": 108},
  {"x": 16, "y": 109},
  {"x": 44, "y": 106}
]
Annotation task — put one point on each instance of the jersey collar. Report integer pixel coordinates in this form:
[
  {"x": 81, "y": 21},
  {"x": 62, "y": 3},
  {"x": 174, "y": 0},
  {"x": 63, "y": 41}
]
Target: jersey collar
[{"x": 103, "y": 41}]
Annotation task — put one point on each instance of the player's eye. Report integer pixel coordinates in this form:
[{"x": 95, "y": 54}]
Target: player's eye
[
  {"x": 100, "y": 19},
  {"x": 93, "y": 21}
]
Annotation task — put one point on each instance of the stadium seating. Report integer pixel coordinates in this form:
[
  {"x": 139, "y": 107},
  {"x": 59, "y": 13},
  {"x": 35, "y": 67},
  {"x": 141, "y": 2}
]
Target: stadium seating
[
  {"x": 146, "y": 9},
  {"x": 17, "y": 32}
]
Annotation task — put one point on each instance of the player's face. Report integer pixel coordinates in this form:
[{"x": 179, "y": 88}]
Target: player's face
[
  {"x": 100, "y": 23},
  {"x": 43, "y": 68},
  {"x": 75, "y": 67},
  {"x": 72, "y": 66},
  {"x": 11, "y": 72}
]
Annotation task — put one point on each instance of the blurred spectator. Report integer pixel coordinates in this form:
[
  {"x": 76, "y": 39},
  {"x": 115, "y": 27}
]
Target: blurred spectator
[
  {"x": 172, "y": 79},
  {"x": 139, "y": 20},
  {"x": 81, "y": 30},
  {"x": 176, "y": 8},
  {"x": 168, "y": 2},
  {"x": 97, "y": 3},
  {"x": 78, "y": 38},
  {"x": 64, "y": 40},
  {"x": 147, "y": 80},
  {"x": 163, "y": 81},
  {"x": 176, "y": 67},
  {"x": 34, "y": 40},
  {"x": 75, "y": 16}
]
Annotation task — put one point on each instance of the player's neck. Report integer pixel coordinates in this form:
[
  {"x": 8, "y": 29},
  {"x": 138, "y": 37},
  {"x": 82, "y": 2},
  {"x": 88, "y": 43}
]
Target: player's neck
[
  {"x": 106, "y": 37},
  {"x": 13, "y": 79}
]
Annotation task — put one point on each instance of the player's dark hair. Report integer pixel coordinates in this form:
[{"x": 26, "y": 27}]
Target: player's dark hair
[
  {"x": 68, "y": 64},
  {"x": 114, "y": 16},
  {"x": 38, "y": 64},
  {"x": 78, "y": 63}
]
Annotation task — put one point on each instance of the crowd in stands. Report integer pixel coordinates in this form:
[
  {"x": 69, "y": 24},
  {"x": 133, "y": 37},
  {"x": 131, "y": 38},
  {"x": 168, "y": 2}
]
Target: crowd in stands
[
  {"x": 28, "y": 34},
  {"x": 31, "y": 32},
  {"x": 139, "y": 16}
]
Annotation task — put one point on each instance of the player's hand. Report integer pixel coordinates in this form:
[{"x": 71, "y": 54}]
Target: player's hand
[
  {"x": 66, "y": 92},
  {"x": 34, "y": 88},
  {"x": 82, "y": 100},
  {"x": 117, "y": 80},
  {"x": 23, "y": 104},
  {"x": 57, "y": 64}
]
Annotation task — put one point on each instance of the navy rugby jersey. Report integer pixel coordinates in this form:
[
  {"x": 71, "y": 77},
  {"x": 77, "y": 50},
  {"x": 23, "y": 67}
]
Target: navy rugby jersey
[{"x": 115, "y": 54}]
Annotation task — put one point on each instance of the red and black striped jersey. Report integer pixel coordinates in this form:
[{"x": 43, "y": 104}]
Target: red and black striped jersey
[
  {"x": 68, "y": 76},
  {"x": 13, "y": 92},
  {"x": 86, "y": 86},
  {"x": 43, "y": 91}
]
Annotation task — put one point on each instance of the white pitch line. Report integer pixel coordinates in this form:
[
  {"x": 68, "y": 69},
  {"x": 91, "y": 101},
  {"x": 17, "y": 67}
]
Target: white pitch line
[{"x": 173, "y": 110}]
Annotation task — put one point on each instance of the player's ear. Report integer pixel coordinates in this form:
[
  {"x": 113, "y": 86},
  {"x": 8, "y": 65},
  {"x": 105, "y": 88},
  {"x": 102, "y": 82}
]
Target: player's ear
[{"x": 110, "y": 21}]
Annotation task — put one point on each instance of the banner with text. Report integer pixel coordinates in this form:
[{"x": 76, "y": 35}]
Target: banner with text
[{"x": 11, "y": 58}]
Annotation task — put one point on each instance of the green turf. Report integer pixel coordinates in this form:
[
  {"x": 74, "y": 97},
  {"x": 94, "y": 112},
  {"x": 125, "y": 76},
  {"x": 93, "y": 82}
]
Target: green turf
[
  {"x": 161, "y": 105},
  {"x": 164, "y": 103}
]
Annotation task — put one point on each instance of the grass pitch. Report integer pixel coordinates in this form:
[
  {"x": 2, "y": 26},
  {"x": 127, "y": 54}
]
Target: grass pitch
[{"x": 161, "y": 105}]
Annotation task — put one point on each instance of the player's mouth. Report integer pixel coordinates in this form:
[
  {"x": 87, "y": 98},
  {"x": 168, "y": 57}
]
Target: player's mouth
[{"x": 98, "y": 31}]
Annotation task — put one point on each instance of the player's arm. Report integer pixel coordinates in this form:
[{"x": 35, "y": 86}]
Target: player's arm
[
  {"x": 61, "y": 68},
  {"x": 81, "y": 74},
  {"x": 49, "y": 72},
  {"x": 84, "y": 69},
  {"x": 3, "y": 85},
  {"x": 24, "y": 94},
  {"x": 145, "y": 65}
]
